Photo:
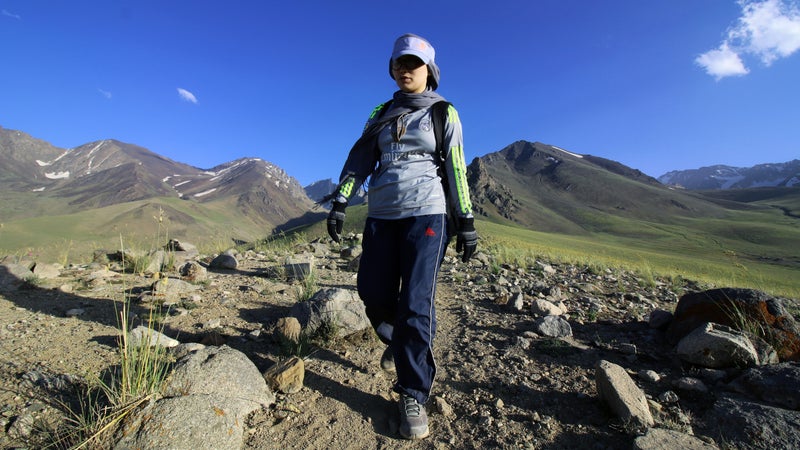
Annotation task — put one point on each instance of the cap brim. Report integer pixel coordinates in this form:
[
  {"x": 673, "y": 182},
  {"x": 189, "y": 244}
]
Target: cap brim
[{"x": 422, "y": 56}]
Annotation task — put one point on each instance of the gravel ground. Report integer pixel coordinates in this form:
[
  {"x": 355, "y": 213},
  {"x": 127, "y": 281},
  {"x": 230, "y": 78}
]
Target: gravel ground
[{"x": 499, "y": 384}]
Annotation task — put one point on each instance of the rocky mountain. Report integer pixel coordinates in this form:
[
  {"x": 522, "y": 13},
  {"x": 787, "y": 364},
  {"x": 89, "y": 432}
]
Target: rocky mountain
[
  {"x": 727, "y": 177},
  {"x": 547, "y": 188},
  {"x": 319, "y": 189},
  {"x": 41, "y": 179}
]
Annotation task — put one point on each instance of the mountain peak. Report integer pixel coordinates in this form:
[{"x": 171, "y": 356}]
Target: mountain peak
[{"x": 109, "y": 172}]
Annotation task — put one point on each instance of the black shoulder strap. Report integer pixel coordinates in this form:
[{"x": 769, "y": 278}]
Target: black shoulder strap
[
  {"x": 439, "y": 112},
  {"x": 439, "y": 117}
]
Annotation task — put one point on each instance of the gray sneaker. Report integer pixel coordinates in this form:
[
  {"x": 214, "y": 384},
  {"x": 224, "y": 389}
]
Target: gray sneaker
[
  {"x": 413, "y": 418},
  {"x": 387, "y": 361}
]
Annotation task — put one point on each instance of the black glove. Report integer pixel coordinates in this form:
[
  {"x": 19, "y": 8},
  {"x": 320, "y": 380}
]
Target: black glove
[
  {"x": 466, "y": 238},
  {"x": 336, "y": 220}
]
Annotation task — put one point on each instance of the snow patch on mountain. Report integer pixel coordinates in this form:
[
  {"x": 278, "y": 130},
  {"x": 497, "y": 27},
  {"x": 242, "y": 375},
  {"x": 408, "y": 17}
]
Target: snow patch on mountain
[
  {"x": 57, "y": 175},
  {"x": 204, "y": 193},
  {"x": 567, "y": 152}
]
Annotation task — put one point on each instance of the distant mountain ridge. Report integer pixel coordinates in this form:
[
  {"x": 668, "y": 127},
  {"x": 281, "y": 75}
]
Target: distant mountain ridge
[
  {"x": 107, "y": 188},
  {"x": 727, "y": 177},
  {"x": 320, "y": 189}
]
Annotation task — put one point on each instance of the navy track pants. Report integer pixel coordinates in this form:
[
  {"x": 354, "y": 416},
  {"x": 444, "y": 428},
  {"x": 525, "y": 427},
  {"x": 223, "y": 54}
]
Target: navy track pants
[{"x": 397, "y": 283}]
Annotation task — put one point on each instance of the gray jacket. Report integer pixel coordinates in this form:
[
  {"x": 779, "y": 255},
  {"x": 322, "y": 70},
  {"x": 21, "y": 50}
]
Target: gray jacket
[{"x": 405, "y": 182}]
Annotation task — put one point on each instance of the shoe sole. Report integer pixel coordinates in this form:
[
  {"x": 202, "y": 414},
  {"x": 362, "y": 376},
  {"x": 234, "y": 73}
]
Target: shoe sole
[{"x": 415, "y": 437}]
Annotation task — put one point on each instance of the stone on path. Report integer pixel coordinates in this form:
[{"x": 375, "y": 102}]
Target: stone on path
[{"x": 619, "y": 391}]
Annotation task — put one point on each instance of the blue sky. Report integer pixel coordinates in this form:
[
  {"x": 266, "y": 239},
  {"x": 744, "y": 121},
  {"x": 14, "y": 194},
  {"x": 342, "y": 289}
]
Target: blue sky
[{"x": 655, "y": 85}]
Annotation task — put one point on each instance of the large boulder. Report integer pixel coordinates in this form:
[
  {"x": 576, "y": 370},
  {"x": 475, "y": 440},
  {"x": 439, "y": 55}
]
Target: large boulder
[
  {"x": 205, "y": 402},
  {"x": 738, "y": 308},
  {"x": 336, "y": 307},
  {"x": 743, "y": 424},
  {"x": 717, "y": 346},
  {"x": 777, "y": 384}
]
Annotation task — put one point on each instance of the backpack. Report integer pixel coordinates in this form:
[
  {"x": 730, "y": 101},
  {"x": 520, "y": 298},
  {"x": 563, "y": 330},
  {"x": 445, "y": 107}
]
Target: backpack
[{"x": 439, "y": 118}]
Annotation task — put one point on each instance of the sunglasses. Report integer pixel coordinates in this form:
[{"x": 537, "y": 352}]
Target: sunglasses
[{"x": 407, "y": 63}]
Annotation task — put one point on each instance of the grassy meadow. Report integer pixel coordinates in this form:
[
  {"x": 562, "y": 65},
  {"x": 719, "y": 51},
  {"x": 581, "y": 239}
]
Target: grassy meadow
[
  {"x": 743, "y": 250},
  {"x": 142, "y": 225},
  {"x": 753, "y": 249}
]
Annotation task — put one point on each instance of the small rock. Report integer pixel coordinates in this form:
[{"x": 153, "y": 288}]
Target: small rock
[
  {"x": 544, "y": 308},
  {"x": 649, "y": 375},
  {"x": 299, "y": 268},
  {"x": 23, "y": 425},
  {"x": 192, "y": 271},
  {"x": 546, "y": 268},
  {"x": 690, "y": 384},
  {"x": 212, "y": 324},
  {"x": 443, "y": 407},
  {"x": 142, "y": 335},
  {"x": 553, "y": 326},
  {"x": 663, "y": 439},
  {"x": 224, "y": 261},
  {"x": 622, "y": 395},
  {"x": 717, "y": 346},
  {"x": 288, "y": 328},
  {"x": 254, "y": 335},
  {"x": 668, "y": 397},
  {"x": 516, "y": 301},
  {"x": 522, "y": 342},
  {"x": 627, "y": 348},
  {"x": 286, "y": 376}
]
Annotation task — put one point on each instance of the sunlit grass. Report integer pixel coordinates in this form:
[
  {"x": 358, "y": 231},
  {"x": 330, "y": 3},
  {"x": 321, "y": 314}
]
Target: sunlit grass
[
  {"x": 142, "y": 367},
  {"x": 700, "y": 261},
  {"x": 712, "y": 252}
]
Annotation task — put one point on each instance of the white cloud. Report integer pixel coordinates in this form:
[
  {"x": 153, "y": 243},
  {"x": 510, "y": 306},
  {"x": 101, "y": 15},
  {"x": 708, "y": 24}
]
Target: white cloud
[
  {"x": 722, "y": 62},
  {"x": 186, "y": 95},
  {"x": 13, "y": 16},
  {"x": 105, "y": 94},
  {"x": 768, "y": 30}
]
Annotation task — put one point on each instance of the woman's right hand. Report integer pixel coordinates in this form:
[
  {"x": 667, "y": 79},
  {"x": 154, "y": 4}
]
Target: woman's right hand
[{"x": 336, "y": 221}]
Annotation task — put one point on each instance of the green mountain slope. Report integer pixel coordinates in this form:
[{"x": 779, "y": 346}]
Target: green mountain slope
[{"x": 545, "y": 188}]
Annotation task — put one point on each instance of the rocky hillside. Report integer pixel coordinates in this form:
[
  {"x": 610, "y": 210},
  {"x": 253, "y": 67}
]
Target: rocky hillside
[
  {"x": 548, "y": 356},
  {"x": 727, "y": 177},
  {"x": 18, "y": 155},
  {"x": 112, "y": 178},
  {"x": 547, "y": 188}
]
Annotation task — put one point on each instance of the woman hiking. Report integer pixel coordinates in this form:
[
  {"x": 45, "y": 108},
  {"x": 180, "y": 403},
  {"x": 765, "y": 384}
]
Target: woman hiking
[{"x": 413, "y": 176}]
